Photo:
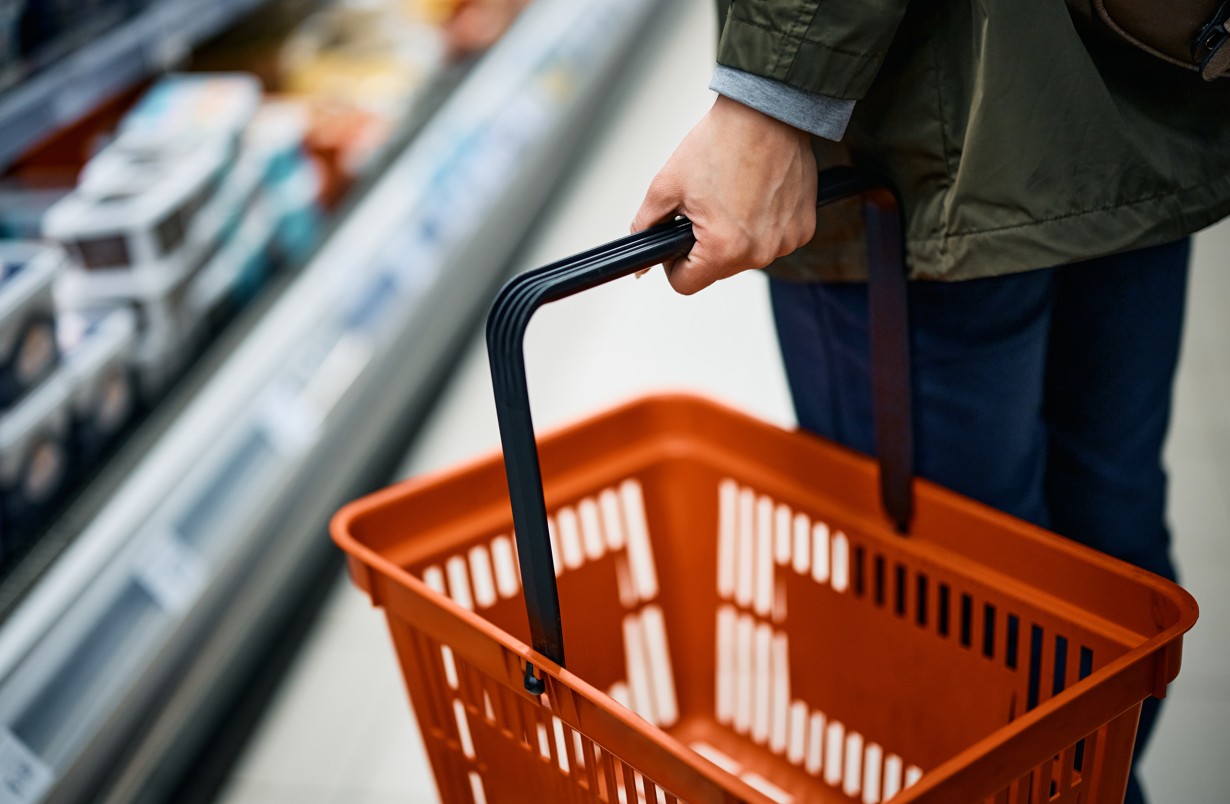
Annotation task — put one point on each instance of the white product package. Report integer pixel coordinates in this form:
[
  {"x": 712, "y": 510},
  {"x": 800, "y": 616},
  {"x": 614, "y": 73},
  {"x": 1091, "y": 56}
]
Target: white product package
[
  {"x": 28, "y": 350},
  {"x": 239, "y": 267},
  {"x": 34, "y": 450},
  {"x": 98, "y": 353},
  {"x": 182, "y": 109},
  {"x": 168, "y": 330},
  {"x": 135, "y": 239}
]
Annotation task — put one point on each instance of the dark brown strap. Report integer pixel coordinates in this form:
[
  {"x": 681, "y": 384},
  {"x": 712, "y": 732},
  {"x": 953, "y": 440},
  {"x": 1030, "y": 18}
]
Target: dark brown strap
[
  {"x": 890, "y": 356},
  {"x": 889, "y": 332}
]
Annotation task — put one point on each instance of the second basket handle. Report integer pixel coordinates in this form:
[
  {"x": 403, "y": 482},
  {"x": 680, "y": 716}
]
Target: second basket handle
[{"x": 516, "y": 302}]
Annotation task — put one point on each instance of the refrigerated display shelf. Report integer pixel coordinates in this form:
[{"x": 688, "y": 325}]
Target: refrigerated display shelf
[
  {"x": 186, "y": 561},
  {"x": 24, "y": 567},
  {"x": 155, "y": 39}
]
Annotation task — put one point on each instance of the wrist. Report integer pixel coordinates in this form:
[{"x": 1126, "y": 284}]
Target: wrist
[{"x": 745, "y": 116}]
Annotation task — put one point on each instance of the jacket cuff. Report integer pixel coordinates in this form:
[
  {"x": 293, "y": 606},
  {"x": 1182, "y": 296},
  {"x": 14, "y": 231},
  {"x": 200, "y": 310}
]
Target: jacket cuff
[{"x": 817, "y": 114}]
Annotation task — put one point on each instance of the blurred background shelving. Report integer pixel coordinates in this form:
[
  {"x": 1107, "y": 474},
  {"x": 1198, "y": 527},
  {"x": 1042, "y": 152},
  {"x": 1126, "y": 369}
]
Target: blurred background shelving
[
  {"x": 61, "y": 62},
  {"x": 348, "y": 197}
]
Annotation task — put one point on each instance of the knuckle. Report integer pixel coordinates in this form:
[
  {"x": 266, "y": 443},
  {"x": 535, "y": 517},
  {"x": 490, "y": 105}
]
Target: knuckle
[
  {"x": 788, "y": 244},
  {"x": 808, "y": 230}
]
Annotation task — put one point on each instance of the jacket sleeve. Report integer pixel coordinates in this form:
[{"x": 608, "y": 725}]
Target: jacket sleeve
[
  {"x": 823, "y": 47},
  {"x": 816, "y": 114}
]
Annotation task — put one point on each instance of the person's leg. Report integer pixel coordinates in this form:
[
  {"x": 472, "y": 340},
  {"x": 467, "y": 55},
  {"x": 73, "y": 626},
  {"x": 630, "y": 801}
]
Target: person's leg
[
  {"x": 1115, "y": 336},
  {"x": 979, "y": 354}
]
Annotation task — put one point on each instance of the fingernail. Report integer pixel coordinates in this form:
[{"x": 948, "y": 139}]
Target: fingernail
[{"x": 642, "y": 272}]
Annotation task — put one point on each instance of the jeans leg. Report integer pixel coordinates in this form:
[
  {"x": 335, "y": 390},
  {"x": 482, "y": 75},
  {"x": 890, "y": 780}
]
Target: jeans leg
[
  {"x": 979, "y": 355},
  {"x": 1115, "y": 338},
  {"x": 1114, "y": 349}
]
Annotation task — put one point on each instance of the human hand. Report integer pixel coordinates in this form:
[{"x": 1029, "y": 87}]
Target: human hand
[{"x": 748, "y": 184}]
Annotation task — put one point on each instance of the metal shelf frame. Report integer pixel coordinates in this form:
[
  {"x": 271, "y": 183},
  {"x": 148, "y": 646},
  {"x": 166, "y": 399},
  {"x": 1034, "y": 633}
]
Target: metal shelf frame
[{"x": 155, "y": 39}]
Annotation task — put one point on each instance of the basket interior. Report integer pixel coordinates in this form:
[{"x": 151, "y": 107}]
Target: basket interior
[{"x": 735, "y": 587}]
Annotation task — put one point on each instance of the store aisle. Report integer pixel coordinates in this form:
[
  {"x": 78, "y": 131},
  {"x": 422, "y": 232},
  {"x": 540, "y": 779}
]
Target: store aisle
[{"x": 341, "y": 729}]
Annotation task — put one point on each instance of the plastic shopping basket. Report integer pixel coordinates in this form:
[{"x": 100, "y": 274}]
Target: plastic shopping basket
[{"x": 743, "y": 620}]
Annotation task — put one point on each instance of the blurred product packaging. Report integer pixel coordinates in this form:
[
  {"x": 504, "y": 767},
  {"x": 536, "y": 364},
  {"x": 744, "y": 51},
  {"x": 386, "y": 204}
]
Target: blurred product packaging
[
  {"x": 177, "y": 216},
  {"x": 129, "y": 237},
  {"x": 28, "y": 351},
  {"x": 34, "y": 388},
  {"x": 98, "y": 351},
  {"x": 10, "y": 41}
]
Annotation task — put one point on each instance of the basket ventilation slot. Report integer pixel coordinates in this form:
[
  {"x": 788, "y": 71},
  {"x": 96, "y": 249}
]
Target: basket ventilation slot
[
  {"x": 753, "y": 699},
  {"x": 757, "y": 537},
  {"x": 599, "y": 525},
  {"x": 612, "y": 522},
  {"x": 1050, "y": 661},
  {"x": 863, "y": 772},
  {"x": 649, "y": 689},
  {"x": 585, "y": 768}
]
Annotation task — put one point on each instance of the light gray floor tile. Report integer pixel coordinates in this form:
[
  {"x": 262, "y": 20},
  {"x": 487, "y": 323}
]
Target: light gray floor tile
[
  {"x": 363, "y": 796},
  {"x": 397, "y": 763},
  {"x": 392, "y": 758},
  {"x": 316, "y": 724},
  {"x": 1187, "y": 761},
  {"x": 1206, "y": 650},
  {"x": 259, "y": 791},
  {"x": 1199, "y": 510}
]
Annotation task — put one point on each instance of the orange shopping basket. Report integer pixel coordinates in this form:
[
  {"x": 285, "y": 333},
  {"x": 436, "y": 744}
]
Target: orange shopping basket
[{"x": 745, "y": 618}]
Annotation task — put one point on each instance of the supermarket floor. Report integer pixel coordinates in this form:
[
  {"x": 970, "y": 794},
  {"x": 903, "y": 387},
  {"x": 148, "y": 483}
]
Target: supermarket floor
[{"x": 340, "y": 729}]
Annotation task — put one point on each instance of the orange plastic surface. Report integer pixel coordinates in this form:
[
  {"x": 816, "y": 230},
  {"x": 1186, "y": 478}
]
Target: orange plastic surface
[{"x": 743, "y": 625}]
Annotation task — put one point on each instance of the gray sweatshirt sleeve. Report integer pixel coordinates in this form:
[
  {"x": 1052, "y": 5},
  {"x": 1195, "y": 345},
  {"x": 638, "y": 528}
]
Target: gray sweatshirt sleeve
[{"x": 817, "y": 114}]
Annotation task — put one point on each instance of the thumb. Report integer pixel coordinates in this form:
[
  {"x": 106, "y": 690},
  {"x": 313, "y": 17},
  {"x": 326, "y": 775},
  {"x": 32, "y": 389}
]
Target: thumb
[
  {"x": 694, "y": 271},
  {"x": 662, "y": 200}
]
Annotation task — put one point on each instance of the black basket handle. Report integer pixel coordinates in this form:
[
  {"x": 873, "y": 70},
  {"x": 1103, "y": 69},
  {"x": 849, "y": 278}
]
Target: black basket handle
[{"x": 518, "y": 300}]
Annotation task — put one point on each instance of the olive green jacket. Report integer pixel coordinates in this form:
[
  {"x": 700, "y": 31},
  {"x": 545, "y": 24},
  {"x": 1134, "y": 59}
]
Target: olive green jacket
[{"x": 1017, "y": 140}]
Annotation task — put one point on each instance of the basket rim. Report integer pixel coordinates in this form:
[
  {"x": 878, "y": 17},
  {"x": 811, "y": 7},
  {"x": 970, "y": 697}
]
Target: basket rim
[{"x": 340, "y": 523}]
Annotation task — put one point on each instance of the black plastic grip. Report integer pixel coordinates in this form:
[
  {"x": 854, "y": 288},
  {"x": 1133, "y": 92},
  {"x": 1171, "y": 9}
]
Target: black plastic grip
[
  {"x": 506, "y": 324},
  {"x": 518, "y": 300}
]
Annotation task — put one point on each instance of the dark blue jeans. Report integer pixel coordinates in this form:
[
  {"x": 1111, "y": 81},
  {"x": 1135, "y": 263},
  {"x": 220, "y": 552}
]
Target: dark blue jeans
[{"x": 1045, "y": 394}]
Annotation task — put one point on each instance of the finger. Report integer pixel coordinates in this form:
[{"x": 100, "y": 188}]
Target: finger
[
  {"x": 667, "y": 266},
  {"x": 692, "y": 272},
  {"x": 661, "y": 203}
]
